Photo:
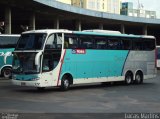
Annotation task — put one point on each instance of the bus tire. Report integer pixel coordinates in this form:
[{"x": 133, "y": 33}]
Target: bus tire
[
  {"x": 128, "y": 78},
  {"x": 65, "y": 84},
  {"x": 7, "y": 72},
  {"x": 139, "y": 78}
]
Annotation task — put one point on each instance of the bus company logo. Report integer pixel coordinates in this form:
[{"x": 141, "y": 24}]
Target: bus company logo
[
  {"x": 78, "y": 51},
  {"x": 7, "y": 53}
]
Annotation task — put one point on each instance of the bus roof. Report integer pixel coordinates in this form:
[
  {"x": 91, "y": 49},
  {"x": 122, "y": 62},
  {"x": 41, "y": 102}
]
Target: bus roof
[
  {"x": 106, "y": 34},
  {"x": 111, "y": 33},
  {"x": 103, "y": 31},
  {"x": 49, "y": 31},
  {"x": 89, "y": 32},
  {"x": 10, "y": 35},
  {"x": 147, "y": 36}
]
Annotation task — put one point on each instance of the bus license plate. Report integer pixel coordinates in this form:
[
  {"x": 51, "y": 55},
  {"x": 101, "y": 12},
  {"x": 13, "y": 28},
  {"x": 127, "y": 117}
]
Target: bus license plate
[{"x": 23, "y": 83}]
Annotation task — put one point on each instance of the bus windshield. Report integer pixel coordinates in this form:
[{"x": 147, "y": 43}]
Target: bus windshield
[
  {"x": 25, "y": 63},
  {"x": 32, "y": 41}
]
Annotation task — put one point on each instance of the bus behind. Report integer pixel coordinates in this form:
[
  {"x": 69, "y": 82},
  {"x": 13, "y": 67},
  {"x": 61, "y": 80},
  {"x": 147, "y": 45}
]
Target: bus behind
[{"x": 7, "y": 46}]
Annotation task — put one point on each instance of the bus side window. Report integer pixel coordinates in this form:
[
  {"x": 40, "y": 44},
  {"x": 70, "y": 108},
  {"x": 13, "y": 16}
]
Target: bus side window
[
  {"x": 73, "y": 43},
  {"x": 66, "y": 43},
  {"x": 50, "y": 44},
  {"x": 149, "y": 44},
  {"x": 49, "y": 62},
  {"x": 126, "y": 44},
  {"x": 59, "y": 41},
  {"x": 100, "y": 42},
  {"x": 8, "y": 41},
  {"x": 54, "y": 42},
  {"x": 86, "y": 42},
  {"x": 114, "y": 44},
  {"x": 138, "y": 44},
  {"x": 70, "y": 42}
]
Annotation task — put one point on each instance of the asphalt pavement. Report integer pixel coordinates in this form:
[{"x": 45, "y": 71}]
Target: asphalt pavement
[{"x": 86, "y": 99}]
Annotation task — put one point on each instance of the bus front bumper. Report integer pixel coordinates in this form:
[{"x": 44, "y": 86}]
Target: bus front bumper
[{"x": 28, "y": 83}]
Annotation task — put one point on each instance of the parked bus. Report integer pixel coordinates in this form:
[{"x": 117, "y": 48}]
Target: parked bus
[
  {"x": 158, "y": 57},
  {"x": 46, "y": 58},
  {"x": 7, "y": 46}
]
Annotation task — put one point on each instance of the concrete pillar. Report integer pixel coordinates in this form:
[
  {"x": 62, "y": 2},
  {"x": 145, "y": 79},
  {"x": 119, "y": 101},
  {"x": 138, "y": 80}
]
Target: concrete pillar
[
  {"x": 145, "y": 32},
  {"x": 78, "y": 25},
  {"x": 56, "y": 23},
  {"x": 32, "y": 24},
  {"x": 122, "y": 28},
  {"x": 8, "y": 20},
  {"x": 101, "y": 26}
]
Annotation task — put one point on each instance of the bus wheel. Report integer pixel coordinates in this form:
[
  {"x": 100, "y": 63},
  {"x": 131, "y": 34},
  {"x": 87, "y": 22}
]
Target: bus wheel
[
  {"x": 128, "y": 78},
  {"x": 139, "y": 78},
  {"x": 7, "y": 72},
  {"x": 65, "y": 84}
]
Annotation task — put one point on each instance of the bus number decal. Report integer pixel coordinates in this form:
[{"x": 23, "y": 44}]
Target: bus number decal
[{"x": 78, "y": 51}]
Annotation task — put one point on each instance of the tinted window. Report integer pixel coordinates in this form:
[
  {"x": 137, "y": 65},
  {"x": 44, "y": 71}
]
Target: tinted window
[
  {"x": 70, "y": 41},
  {"x": 100, "y": 42},
  {"x": 149, "y": 44},
  {"x": 25, "y": 63},
  {"x": 59, "y": 41},
  {"x": 114, "y": 43},
  {"x": 138, "y": 44},
  {"x": 86, "y": 42},
  {"x": 126, "y": 44},
  {"x": 48, "y": 62},
  {"x": 54, "y": 41},
  {"x": 144, "y": 44},
  {"x": 8, "y": 41},
  {"x": 103, "y": 42},
  {"x": 31, "y": 41}
]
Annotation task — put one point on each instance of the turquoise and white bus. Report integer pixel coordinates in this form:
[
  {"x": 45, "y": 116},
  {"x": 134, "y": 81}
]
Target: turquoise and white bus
[
  {"x": 7, "y": 46},
  {"x": 46, "y": 58}
]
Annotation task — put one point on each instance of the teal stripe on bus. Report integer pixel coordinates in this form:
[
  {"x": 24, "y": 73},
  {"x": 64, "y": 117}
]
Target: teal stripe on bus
[
  {"x": 94, "y": 63},
  {"x": 24, "y": 77}
]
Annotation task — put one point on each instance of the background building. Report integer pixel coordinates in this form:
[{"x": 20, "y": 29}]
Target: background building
[
  {"x": 109, "y": 6},
  {"x": 98, "y": 5},
  {"x": 113, "y": 6},
  {"x": 150, "y": 14},
  {"x": 127, "y": 9},
  {"x": 18, "y": 16}
]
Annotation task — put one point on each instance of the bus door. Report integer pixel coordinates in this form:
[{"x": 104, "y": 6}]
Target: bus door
[{"x": 52, "y": 53}]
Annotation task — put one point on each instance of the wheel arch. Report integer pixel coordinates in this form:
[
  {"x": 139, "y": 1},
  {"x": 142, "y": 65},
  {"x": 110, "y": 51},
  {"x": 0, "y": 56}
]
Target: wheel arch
[
  {"x": 68, "y": 76},
  {"x": 139, "y": 71},
  {"x": 131, "y": 72},
  {"x": 5, "y": 66}
]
